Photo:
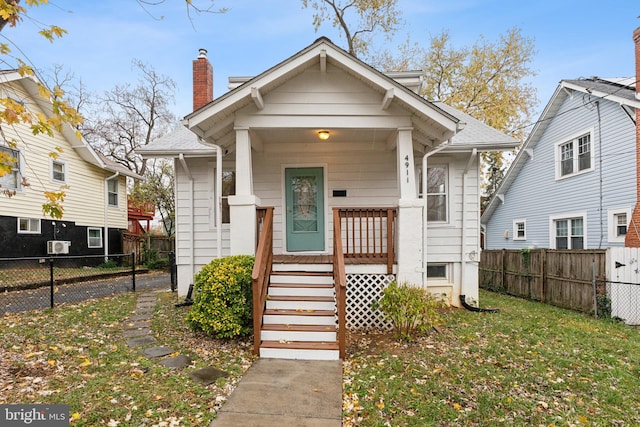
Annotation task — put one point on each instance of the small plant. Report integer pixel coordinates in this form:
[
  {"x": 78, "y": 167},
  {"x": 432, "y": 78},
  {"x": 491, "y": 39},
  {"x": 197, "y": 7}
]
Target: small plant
[
  {"x": 604, "y": 307},
  {"x": 223, "y": 298},
  {"x": 413, "y": 311},
  {"x": 157, "y": 264},
  {"x": 111, "y": 263}
]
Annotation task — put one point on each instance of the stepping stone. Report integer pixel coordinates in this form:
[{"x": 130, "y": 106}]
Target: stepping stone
[
  {"x": 178, "y": 362},
  {"x": 145, "y": 304},
  {"x": 137, "y": 325},
  {"x": 131, "y": 333},
  {"x": 157, "y": 351},
  {"x": 141, "y": 317},
  {"x": 141, "y": 341},
  {"x": 206, "y": 376}
]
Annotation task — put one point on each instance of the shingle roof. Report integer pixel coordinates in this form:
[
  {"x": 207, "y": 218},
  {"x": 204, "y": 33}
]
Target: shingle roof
[
  {"x": 180, "y": 140},
  {"x": 623, "y": 87},
  {"x": 475, "y": 132}
]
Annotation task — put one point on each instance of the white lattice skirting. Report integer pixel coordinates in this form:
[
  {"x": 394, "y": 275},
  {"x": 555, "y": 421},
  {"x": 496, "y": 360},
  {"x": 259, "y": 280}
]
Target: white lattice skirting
[{"x": 362, "y": 290}]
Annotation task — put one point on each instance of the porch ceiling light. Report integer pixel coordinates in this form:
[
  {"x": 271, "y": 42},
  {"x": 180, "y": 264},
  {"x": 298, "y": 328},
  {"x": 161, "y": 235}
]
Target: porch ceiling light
[{"x": 323, "y": 134}]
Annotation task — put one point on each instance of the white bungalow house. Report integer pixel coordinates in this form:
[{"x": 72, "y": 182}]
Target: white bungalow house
[{"x": 318, "y": 146}]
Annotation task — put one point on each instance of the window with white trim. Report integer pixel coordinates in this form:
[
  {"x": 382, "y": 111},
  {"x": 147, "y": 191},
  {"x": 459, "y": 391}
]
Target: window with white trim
[
  {"x": 94, "y": 237},
  {"x": 519, "y": 229},
  {"x": 28, "y": 226},
  {"x": 618, "y": 222},
  {"x": 574, "y": 156},
  {"x": 437, "y": 197},
  {"x": 437, "y": 271},
  {"x": 568, "y": 233},
  {"x": 10, "y": 165},
  {"x": 112, "y": 190},
  {"x": 58, "y": 171}
]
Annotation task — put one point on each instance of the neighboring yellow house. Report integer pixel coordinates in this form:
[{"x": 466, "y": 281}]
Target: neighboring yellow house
[{"x": 96, "y": 201}]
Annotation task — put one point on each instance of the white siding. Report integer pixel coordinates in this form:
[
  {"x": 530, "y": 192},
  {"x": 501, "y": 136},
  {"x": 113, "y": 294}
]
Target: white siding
[{"x": 85, "y": 198}]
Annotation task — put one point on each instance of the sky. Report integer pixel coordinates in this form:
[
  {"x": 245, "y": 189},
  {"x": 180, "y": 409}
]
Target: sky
[{"x": 573, "y": 38}]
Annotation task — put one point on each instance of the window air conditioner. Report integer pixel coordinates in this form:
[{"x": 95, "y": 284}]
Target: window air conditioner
[{"x": 57, "y": 247}]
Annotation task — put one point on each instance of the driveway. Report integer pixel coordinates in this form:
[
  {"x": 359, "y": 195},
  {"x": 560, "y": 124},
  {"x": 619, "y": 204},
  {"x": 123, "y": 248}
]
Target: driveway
[{"x": 34, "y": 299}]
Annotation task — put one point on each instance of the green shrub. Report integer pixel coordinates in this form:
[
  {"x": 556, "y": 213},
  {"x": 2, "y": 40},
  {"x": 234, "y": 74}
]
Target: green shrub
[
  {"x": 222, "y": 303},
  {"x": 413, "y": 311},
  {"x": 157, "y": 264},
  {"x": 111, "y": 263},
  {"x": 604, "y": 307}
]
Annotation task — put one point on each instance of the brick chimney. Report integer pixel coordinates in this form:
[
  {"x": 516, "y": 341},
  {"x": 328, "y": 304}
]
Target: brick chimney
[
  {"x": 202, "y": 80},
  {"x": 632, "y": 239}
]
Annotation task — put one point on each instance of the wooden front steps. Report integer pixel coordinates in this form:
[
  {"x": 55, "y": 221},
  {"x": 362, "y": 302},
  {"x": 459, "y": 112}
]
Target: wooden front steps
[{"x": 299, "y": 321}]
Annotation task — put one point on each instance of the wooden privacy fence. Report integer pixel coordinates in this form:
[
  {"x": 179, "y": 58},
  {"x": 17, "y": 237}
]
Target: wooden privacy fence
[
  {"x": 137, "y": 242},
  {"x": 566, "y": 278}
]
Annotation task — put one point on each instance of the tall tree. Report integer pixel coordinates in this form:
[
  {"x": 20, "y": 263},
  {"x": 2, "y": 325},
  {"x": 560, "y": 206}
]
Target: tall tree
[
  {"x": 487, "y": 80},
  {"x": 128, "y": 117},
  {"x": 157, "y": 188},
  {"x": 357, "y": 20}
]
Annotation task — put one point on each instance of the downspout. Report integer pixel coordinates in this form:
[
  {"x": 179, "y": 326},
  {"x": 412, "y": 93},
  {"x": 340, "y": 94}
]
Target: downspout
[
  {"x": 600, "y": 179},
  {"x": 218, "y": 198},
  {"x": 424, "y": 210},
  {"x": 218, "y": 204},
  {"x": 106, "y": 214},
  {"x": 191, "y": 205},
  {"x": 463, "y": 240}
]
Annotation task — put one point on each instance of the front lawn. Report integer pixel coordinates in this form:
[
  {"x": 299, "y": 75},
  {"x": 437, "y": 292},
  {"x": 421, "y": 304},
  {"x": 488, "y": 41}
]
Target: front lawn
[
  {"x": 530, "y": 364},
  {"x": 77, "y": 355}
]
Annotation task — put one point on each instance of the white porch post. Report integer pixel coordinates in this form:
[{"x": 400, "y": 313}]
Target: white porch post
[
  {"x": 242, "y": 206},
  {"x": 409, "y": 226}
]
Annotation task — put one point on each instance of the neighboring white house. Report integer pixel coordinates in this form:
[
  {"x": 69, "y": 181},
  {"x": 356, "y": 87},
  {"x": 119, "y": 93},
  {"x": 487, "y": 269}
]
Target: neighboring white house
[
  {"x": 96, "y": 202},
  {"x": 323, "y": 134},
  {"x": 573, "y": 183}
]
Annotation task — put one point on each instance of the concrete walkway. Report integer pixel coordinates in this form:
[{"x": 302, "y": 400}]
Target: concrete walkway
[{"x": 276, "y": 392}]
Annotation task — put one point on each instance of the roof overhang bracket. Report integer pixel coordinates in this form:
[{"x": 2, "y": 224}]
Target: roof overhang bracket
[
  {"x": 629, "y": 112},
  {"x": 257, "y": 98},
  {"x": 323, "y": 61},
  {"x": 529, "y": 152},
  {"x": 388, "y": 97},
  {"x": 184, "y": 166},
  {"x": 501, "y": 198},
  {"x": 256, "y": 142}
]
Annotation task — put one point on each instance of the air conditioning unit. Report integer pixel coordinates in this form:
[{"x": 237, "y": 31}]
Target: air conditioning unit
[{"x": 57, "y": 247}]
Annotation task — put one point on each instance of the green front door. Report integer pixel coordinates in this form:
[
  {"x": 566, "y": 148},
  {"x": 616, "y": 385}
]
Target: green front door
[{"x": 304, "y": 189}]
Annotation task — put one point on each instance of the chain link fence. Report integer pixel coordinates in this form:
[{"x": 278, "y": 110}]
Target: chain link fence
[
  {"x": 622, "y": 302},
  {"x": 38, "y": 283}
]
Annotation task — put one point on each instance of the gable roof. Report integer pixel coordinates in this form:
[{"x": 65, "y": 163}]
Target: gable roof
[
  {"x": 80, "y": 145},
  {"x": 218, "y": 114},
  {"x": 618, "y": 90}
]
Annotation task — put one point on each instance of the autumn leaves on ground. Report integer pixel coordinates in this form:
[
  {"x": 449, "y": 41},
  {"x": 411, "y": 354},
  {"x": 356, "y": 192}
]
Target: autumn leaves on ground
[{"x": 530, "y": 364}]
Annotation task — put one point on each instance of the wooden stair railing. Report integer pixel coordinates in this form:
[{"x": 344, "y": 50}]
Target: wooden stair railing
[
  {"x": 368, "y": 233},
  {"x": 261, "y": 274},
  {"x": 340, "y": 282}
]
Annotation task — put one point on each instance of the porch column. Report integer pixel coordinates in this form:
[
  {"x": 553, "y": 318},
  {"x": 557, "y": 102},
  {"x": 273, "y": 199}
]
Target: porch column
[
  {"x": 242, "y": 206},
  {"x": 409, "y": 225}
]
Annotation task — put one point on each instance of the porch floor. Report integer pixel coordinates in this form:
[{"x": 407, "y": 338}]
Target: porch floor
[{"x": 324, "y": 259}]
